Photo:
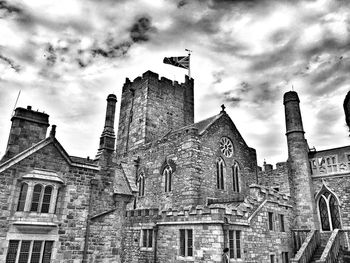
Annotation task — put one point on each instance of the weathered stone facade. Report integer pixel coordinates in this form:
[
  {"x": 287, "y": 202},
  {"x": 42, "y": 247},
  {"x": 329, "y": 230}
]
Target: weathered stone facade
[{"x": 170, "y": 191}]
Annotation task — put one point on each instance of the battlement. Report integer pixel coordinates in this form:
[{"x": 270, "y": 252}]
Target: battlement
[
  {"x": 218, "y": 213},
  {"x": 149, "y": 75}
]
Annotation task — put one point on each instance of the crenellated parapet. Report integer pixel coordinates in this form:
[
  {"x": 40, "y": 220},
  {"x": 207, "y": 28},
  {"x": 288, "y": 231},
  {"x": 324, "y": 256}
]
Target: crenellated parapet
[{"x": 234, "y": 213}]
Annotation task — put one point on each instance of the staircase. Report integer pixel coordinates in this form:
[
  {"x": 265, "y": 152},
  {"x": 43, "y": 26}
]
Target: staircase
[{"x": 317, "y": 254}]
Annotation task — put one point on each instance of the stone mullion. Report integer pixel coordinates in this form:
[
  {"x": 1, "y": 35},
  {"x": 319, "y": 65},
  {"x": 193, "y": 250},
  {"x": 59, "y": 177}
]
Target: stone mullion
[
  {"x": 53, "y": 200},
  {"x": 329, "y": 213},
  {"x": 29, "y": 197}
]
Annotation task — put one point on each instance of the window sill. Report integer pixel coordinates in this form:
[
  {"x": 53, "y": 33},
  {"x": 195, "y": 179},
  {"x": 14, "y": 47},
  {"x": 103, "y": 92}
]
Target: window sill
[
  {"x": 185, "y": 258},
  {"x": 146, "y": 249}
]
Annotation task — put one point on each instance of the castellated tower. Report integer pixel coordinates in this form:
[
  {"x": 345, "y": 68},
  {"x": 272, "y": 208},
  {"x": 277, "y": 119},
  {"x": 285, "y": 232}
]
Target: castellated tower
[
  {"x": 299, "y": 170},
  {"x": 107, "y": 139},
  {"x": 150, "y": 108},
  {"x": 28, "y": 128}
]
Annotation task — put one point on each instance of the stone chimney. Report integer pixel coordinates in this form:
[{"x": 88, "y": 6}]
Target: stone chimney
[
  {"x": 28, "y": 128},
  {"x": 298, "y": 164},
  {"x": 107, "y": 139}
]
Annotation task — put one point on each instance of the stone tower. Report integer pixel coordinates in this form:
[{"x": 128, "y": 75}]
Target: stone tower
[
  {"x": 107, "y": 139},
  {"x": 150, "y": 108},
  {"x": 299, "y": 170},
  {"x": 28, "y": 128}
]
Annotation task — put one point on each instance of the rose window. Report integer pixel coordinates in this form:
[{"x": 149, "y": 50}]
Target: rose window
[{"x": 226, "y": 146}]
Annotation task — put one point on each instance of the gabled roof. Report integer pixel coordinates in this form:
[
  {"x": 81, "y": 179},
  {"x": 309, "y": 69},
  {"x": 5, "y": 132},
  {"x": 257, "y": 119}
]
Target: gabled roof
[
  {"x": 36, "y": 147},
  {"x": 203, "y": 125}
]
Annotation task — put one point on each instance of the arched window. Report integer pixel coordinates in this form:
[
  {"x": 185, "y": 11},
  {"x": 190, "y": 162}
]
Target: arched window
[
  {"x": 328, "y": 208},
  {"x": 36, "y": 198},
  {"x": 41, "y": 198},
  {"x": 45, "y": 206},
  {"x": 22, "y": 197},
  {"x": 235, "y": 178},
  {"x": 167, "y": 173},
  {"x": 220, "y": 173},
  {"x": 141, "y": 183}
]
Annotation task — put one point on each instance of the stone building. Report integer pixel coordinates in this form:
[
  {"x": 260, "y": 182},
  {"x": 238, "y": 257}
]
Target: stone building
[{"x": 168, "y": 189}]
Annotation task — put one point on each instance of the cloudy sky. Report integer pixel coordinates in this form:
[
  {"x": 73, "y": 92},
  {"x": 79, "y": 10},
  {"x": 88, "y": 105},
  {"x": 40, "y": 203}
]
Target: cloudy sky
[{"x": 66, "y": 56}]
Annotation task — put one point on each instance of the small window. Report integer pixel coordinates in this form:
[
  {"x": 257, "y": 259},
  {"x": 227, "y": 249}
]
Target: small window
[
  {"x": 24, "y": 250},
  {"x": 167, "y": 173},
  {"x": 270, "y": 221},
  {"x": 285, "y": 258},
  {"x": 234, "y": 238},
  {"x": 186, "y": 242},
  {"x": 22, "y": 197},
  {"x": 220, "y": 174},
  {"x": 281, "y": 219},
  {"x": 141, "y": 184},
  {"x": 235, "y": 179},
  {"x": 272, "y": 258},
  {"x": 147, "y": 238}
]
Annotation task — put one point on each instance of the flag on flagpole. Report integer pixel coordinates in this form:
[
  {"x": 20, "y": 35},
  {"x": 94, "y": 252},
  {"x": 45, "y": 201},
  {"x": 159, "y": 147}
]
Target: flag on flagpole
[{"x": 182, "y": 62}]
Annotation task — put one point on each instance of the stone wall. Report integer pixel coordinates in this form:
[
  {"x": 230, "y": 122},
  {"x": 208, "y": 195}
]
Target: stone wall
[
  {"x": 276, "y": 178},
  {"x": 151, "y": 107},
  {"x": 67, "y": 227},
  {"x": 210, "y": 152}
]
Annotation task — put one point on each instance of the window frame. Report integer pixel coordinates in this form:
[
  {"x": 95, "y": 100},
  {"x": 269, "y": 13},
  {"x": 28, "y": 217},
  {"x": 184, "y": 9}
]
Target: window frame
[
  {"x": 285, "y": 257},
  {"x": 186, "y": 242},
  {"x": 44, "y": 202},
  {"x": 271, "y": 221},
  {"x": 220, "y": 173},
  {"x": 282, "y": 222},
  {"x": 28, "y": 254},
  {"x": 329, "y": 212},
  {"x": 236, "y": 178},
  {"x": 141, "y": 184},
  {"x": 234, "y": 243},
  {"x": 147, "y": 239},
  {"x": 167, "y": 174}
]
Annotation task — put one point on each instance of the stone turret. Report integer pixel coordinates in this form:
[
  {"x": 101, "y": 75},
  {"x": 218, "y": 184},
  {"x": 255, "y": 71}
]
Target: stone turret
[
  {"x": 28, "y": 128},
  {"x": 107, "y": 139},
  {"x": 299, "y": 170}
]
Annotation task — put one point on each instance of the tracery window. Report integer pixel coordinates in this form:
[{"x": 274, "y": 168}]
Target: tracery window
[
  {"x": 226, "y": 147},
  {"x": 167, "y": 173},
  {"x": 329, "y": 211},
  {"x": 235, "y": 178},
  {"x": 141, "y": 184},
  {"x": 220, "y": 167}
]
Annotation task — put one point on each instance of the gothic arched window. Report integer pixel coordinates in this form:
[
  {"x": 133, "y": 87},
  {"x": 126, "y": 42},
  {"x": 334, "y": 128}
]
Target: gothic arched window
[
  {"x": 220, "y": 167},
  {"x": 328, "y": 208},
  {"x": 167, "y": 173},
  {"x": 22, "y": 197},
  {"x": 141, "y": 184},
  {"x": 235, "y": 177}
]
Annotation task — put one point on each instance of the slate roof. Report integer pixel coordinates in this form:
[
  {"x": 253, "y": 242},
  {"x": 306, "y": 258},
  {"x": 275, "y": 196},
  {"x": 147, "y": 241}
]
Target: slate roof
[
  {"x": 121, "y": 183},
  {"x": 128, "y": 171}
]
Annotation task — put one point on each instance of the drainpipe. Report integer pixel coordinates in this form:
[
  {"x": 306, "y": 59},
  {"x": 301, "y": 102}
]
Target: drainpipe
[{"x": 93, "y": 182}]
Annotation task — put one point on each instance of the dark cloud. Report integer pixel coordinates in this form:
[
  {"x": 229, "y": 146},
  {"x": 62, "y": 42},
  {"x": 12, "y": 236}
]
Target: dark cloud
[
  {"x": 141, "y": 29},
  {"x": 182, "y": 3},
  {"x": 11, "y": 63},
  {"x": 8, "y": 9},
  {"x": 139, "y": 32},
  {"x": 218, "y": 76}
]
